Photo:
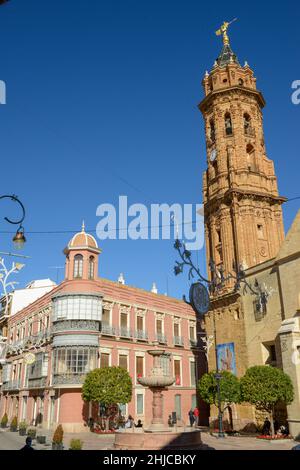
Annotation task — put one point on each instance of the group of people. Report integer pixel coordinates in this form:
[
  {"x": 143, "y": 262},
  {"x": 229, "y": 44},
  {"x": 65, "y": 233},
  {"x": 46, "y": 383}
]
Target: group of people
[
  {"x": 129, "y": 423},
  {"x": 194, "y": 417},
  {"x": 279, "y": 430}
]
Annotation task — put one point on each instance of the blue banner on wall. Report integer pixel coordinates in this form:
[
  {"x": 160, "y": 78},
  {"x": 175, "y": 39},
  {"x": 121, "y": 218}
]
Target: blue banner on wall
[{"x": 226, "y": 357}]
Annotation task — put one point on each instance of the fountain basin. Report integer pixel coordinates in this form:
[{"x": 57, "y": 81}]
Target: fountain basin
[{"x": 136, "y": 440}]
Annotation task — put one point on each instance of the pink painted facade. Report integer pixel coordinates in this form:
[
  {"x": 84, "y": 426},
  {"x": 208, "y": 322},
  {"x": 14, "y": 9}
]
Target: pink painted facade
[{"x": 89, "y": 322}]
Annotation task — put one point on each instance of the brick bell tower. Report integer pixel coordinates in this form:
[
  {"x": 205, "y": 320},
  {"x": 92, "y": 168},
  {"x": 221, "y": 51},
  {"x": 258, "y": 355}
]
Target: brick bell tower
[{"x": 243, "y": 214}]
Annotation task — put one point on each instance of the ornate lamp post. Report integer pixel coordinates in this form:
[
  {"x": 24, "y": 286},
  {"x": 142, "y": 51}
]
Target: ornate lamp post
[{"x": 19, "y": 238}]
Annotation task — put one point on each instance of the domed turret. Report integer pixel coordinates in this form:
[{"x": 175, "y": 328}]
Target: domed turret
[{"x": 82, "y": 254}]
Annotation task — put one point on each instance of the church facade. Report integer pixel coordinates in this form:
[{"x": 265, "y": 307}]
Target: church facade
[{"x": 244, "y": 227}]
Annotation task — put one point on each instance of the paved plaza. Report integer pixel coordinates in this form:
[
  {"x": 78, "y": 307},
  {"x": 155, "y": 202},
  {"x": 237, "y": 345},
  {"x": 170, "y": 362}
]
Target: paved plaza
[{"x": 12, "y": 441}]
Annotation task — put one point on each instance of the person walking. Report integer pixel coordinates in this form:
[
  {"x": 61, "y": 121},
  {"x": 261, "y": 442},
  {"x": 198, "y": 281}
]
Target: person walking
[
  {"x": 196, "y": 416},
  {"x": 266, "y": 427},
  {"x": 28, "y": 444},
  {"x": 191, "y": 417}
]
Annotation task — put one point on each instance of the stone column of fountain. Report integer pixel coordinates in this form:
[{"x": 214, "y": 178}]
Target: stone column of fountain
[
  {"x": 158, "y": 436},
  {"x": 158, "y": 382}
]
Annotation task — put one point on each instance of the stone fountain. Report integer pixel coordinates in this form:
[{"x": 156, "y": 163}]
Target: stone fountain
[
  {"x": 158, "y": 435},
  {"x": 158, "y": 382}
]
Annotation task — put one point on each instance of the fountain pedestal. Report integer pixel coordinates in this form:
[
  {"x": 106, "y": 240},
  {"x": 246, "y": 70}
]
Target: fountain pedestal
[{"x": 157, "y": 435}]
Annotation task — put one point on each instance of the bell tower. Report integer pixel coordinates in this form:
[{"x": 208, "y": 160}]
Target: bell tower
[{"x": 243, "y": 213}]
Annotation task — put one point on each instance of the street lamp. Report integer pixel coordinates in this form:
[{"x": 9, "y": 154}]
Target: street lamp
[
  {"x": 19, "y": 238},
  {"x": 203, "y": 289}
]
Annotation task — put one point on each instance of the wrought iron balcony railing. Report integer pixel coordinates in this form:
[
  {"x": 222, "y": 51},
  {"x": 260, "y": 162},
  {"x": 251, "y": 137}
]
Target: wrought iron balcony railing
[
  {"x": 161, "y": 338},
  {"x": 68, "y": 379},
  {"x": 125, "y": 332},
  {"x": 40, "y": 382},
  {"x": 11, "y": 385},
  {"x": 193, "y": 343},
  {"x": 178, "y": 341},
  {"x": 108, "y": 330},
  {"x": 141, "y": 335}
]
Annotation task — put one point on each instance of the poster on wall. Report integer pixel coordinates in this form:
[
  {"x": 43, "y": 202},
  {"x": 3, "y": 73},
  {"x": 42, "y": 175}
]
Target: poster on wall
[{"x": 226, "y": 357}]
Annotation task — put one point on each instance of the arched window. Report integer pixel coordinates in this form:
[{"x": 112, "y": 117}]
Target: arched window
[
  {"x": 78, "y": 266},
  {"x": 247, "y": 124},
  {"x": 228, "y": 124},
  {"x": 91, "y": 267},
  {"x": 251, "y": 158},
  {"x": 212, "y": 130}
]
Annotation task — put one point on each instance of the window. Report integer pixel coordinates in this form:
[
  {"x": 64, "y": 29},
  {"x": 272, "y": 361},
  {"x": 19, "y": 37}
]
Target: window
[
  {"x": 260, "y": 309},
  {"x": 193, "y": 373},
  {"x": 77, "y": 307},
  {"x": 192, "y": 333},
  {"x": 177, "y": 371},
  {"x": 105, "y": 317},
  {"x": 91, "y": 267},
  {"x": 74, "y": 360},
  {"x": 139, "y": 366},
  {"x": 260, "y": 231},
  {"x": 165, "y": 363},
  {"x": 123, "y": 361},
  {"x": 215, "y": 168},
  {"x": 176, "y": 329},
  {"x": 78, "y": 266},
  {"x": 247, "y": 124},
  {"x": 228, "y": 124},
  {"x": 140, "y": 323},
  {"x": 159, "y": 328},
  {"x": 272, "y": 353},
  {"x": 124, "y": 320},
  {"x": 251, "y": 163},
  {"x": 105, "y": 359},
  {"x": 212, "y": 131},
  {"x": 241, "y": 82},
  {"x": 194, "y": 401},
  {"x": 139, "y": 403},
  {"x": 178, "y": 406}
]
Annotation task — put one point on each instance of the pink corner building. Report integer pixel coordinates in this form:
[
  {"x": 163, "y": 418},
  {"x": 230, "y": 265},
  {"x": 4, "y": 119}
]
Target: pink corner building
[{"x": 88, "y": 322}]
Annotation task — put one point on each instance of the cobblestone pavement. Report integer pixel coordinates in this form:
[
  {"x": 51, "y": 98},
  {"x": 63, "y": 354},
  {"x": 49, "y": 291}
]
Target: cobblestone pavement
[
  {"x": 12, "y": 441},
  {"x": 245, "y": 443}
]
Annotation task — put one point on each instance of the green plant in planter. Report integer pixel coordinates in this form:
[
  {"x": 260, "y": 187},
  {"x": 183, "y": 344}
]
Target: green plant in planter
[
  {"x": 57, "y": 440},
  {"x": 4, "y": 421},
  {"x": 31, "y": 432},
  {"x": 22, "y": 428},
  {"x": 14, "y": 424},
  {"x": 76, "y": 444}
]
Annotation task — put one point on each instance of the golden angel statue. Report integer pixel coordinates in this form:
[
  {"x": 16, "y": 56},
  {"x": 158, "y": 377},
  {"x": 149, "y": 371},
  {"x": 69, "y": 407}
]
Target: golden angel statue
[{"x": 223, "y": 30}]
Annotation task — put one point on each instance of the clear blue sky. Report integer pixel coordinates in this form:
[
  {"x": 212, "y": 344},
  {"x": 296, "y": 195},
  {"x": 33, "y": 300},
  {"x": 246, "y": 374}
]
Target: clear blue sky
[{"x": 99, "y": 92}]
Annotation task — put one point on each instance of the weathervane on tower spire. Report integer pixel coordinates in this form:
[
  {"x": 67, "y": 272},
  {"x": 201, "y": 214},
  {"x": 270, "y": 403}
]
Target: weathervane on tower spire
[{"x": 223, "y": 30}]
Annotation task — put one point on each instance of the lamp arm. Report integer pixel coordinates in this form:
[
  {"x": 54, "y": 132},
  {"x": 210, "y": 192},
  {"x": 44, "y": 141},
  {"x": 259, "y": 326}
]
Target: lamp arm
[{"x": 14, "y": 198}]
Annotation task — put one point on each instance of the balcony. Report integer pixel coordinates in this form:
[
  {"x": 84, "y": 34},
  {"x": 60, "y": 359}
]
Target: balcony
[
  {"x": 39, "y": 382},
  {"x": 11, "y": 385},
  {"x": 108, "y": 330},
  {"x": 178, "y": 341},
  {"x": 40, "y": 338},
  {"x": 141, "y": 335},
  {"x": 160, "y": 338},
  {"x": 193, "y": 343},
  {"x": 68, "y": 379}
]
